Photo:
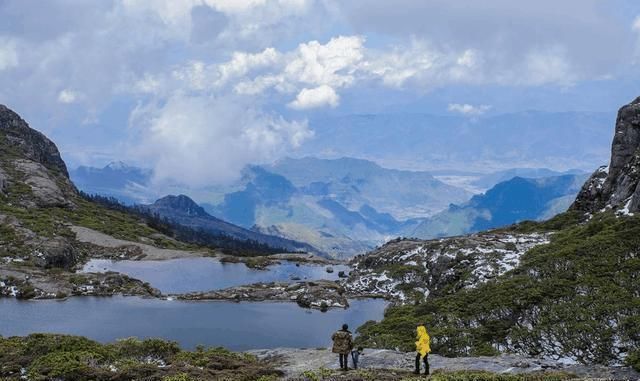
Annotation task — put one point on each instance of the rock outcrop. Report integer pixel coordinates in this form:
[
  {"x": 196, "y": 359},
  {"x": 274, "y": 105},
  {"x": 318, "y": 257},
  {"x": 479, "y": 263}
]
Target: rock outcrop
[
  {"x": 27, "y": 157},
  {"x": 322, "y": 294},
  {"x": 388, "y": 365},
  {"x": 617, "y": 186},
  {"x": 410, "y": 270},
  {"x": 29, "y": 143}
]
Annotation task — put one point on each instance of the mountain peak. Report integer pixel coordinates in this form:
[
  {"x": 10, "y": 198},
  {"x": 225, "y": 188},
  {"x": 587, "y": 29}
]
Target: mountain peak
[
  {"x": 117, "y": 166},
  {"x": 181, "y": 203},
  {"x": 617, "y": 187},
  {"x": 30, "y": 143}
]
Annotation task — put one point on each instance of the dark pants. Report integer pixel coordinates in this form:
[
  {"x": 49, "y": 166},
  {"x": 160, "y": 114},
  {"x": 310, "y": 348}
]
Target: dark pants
[
  {"x": 344, "y": 361},
  {"x": 426, "y": 363}
]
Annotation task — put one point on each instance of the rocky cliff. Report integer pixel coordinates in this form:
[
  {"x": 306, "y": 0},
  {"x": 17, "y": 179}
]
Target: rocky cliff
[
  {"x": 617, "y": 186},
  {"x": 32, "y": 173}
]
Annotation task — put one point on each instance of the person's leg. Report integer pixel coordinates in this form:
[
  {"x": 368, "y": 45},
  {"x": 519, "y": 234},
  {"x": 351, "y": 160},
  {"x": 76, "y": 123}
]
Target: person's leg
[
  {"x": 341, "y": 361},
  {"x": 346, "y": 361},
  {"x": 417, "y": 371},
  {"x": 426, "y": 364}
]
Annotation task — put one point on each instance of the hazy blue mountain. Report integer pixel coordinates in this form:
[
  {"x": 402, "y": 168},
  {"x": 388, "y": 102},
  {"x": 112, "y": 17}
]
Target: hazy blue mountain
[
  {"x": 483, "y": 144},
  {"x": 184, "y": 211},
  {"x": 126, "y": 183},
  {"x": 489, "y": 180},
  {"x": 506, "y": 203},
  {"x": 355, "y": 183},
  {"x": 328, "y": 211},
  {"x": 477, "y": 183}
]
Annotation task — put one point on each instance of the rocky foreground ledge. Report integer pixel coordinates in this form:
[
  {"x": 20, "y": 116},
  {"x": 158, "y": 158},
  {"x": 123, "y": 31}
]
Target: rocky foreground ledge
[{"x": 295, "y": 362}]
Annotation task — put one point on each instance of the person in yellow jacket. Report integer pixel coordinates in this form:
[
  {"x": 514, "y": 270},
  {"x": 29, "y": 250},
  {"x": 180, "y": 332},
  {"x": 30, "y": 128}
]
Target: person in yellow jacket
[{"x": 423, "y": 347}]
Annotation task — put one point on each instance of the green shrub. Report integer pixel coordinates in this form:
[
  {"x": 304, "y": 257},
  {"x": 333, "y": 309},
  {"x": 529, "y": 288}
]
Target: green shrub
[
  {"x": 633, "y": 359},
  {"x": 140, "y": 349},
  {"x": 76, "y": 365},
  {"x": 26, "y": 291}
]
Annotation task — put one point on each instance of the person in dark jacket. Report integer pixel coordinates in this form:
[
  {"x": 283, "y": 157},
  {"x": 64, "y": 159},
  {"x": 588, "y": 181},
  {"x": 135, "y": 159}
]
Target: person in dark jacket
[{"x": 342, "y": 345}]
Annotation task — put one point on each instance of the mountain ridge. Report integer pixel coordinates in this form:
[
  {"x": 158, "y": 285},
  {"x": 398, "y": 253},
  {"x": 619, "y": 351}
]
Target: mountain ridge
[{"x": 184, "y": 211}]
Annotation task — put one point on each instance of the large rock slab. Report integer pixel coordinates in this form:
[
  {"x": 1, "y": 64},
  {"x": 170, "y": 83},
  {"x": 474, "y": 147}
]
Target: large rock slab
[
  {"x": 296, "y": 361},
  {"x": 45, "y": 190}
]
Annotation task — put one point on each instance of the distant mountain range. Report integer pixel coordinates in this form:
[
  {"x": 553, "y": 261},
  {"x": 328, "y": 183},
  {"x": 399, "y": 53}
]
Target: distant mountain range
[
  {"x": 126, "y": 183},
  {"x": 479, "y": 144},
  {"x": 340, "y": 207},
  {"x": 506, "y": 203}
]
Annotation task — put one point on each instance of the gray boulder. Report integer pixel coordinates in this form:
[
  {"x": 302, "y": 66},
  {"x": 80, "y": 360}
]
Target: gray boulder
[
  {"x": 56, "y": 252},
  {"x": 4, "y": 182}
]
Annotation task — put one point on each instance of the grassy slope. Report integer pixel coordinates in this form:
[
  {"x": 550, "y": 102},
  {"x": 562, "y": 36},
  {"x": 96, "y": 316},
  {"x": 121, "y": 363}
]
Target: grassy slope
[{"x": 577, "y": 296}]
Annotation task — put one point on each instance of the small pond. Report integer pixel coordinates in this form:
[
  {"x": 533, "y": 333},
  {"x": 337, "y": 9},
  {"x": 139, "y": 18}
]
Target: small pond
[{"x": 204, "y": 274}]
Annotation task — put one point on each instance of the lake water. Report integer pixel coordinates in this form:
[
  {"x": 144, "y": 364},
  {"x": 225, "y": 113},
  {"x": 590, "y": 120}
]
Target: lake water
[
  {"x": 237, "y": 326},
  {"x": 204, "y": 274}
]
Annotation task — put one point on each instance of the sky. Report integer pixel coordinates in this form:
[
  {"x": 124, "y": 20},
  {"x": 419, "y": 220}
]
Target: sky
[{"x": 197, "y": 89}]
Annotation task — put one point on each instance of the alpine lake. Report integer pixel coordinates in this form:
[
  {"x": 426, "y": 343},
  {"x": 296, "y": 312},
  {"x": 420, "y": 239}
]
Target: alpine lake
[{"x": 234, "y": 325}]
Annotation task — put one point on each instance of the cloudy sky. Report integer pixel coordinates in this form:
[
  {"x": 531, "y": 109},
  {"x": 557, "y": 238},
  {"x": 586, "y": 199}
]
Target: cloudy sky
[{"x": 199, "y": 88}]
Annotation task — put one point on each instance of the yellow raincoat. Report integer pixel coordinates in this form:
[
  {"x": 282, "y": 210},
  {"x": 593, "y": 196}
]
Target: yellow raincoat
[{"x": 423, "y": 341}]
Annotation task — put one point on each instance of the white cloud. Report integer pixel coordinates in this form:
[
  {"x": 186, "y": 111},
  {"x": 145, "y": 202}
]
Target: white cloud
[
  {"x": 68, "y": 96},
  {"x": 467, "y": 109},
  {"x": 204, "y": 140},
  {"x": 397, "y": 66},
  {"x": 636, "y": 24},
  {"x": 546, "y": 66},
  {"x": 317, "y": 97},
  {"x": 313, "y": 70},
  {"x": 8, "y": 54},
  {"x": 146, "y": 85},
  {"x": 241, "y": 63},
  {"x": 333, "y": 63}
]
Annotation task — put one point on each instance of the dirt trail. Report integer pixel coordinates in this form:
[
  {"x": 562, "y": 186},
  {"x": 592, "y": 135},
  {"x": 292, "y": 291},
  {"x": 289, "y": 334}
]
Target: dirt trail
[{"x": 151, "y": 252}]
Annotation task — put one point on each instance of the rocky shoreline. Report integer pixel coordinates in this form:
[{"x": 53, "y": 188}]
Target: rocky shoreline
[
  {"x": 320, "y": 294},
  {"x": 34, "y": 283}
]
